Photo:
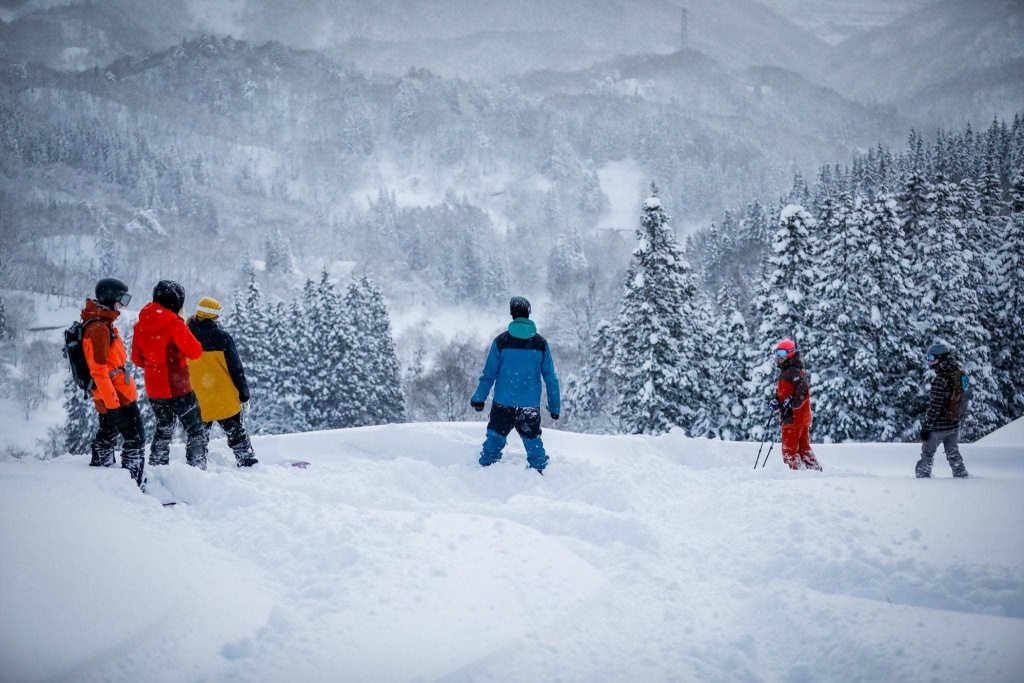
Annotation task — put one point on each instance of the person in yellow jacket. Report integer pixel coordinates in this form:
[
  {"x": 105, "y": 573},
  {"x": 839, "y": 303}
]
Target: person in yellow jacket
[{"x": 218, "y": 379}]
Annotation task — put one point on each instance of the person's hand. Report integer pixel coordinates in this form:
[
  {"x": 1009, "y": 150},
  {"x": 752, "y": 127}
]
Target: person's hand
[
  {"x": 554, "y": 416},
  {"x": 478, "y": 406},
  {"x": 785, "y": 404},
  {"x": 243, "y": 398},
  {"x": 773, "y": 404},
  {"x": 925, "y": 433}
]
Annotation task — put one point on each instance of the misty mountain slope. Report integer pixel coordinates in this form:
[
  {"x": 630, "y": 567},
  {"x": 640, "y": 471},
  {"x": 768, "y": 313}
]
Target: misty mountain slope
[
  {"x": 738, "y": 32},
  {"x": 75, "y": 36},
  {"x": 784, "y": 100},
  {"x": 940, "y": 41},
  {"x": 491, "y": 38},
  {"x": 972, "y": 95},
  {"x": 836, "y": 20}
]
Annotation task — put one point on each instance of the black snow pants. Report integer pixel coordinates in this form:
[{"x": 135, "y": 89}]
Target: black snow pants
[
  {"x": 186, "y": 409},
  {"x": 125, "y": 422},
  {"x": 238, "y": 440}
]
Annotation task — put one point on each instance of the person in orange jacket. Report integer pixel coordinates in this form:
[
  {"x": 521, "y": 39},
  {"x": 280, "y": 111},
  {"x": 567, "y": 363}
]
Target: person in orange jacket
[
  {"x": 793, "y": 401},
  {"x": 114, "y": 391},
  {"x": 162, "y": 345}
]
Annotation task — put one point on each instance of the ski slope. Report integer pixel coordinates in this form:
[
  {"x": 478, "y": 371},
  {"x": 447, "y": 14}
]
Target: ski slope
[{"x": 393, "y": 557}]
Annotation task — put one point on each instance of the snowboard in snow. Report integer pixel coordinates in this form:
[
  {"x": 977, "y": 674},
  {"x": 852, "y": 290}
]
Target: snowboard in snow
[{"x": 301, "y": 464}]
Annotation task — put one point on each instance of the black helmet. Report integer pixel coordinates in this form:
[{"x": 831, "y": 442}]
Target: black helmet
[
  {"x": 519, "y": 307},
  {"x": 937, "y": 351},
  {"x": 110, "y": 291},
  {"x": 170, "y": 295}
]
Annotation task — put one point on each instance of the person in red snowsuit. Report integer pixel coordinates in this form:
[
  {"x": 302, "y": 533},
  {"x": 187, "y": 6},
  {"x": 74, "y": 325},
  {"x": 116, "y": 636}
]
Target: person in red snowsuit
[{"x": 793, "y": 401}]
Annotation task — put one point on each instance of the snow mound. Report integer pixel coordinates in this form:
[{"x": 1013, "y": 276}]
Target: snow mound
[
  {"x": 1011, "y": 435},
  {"x": 394, "y": 557}
]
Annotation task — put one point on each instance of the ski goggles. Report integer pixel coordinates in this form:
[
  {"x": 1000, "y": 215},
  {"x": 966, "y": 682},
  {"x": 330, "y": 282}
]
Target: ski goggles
[
  {"x": 124, "y": 299},
  {"x": 781, "y": 353},
  {"x": 931, "y": 357}
]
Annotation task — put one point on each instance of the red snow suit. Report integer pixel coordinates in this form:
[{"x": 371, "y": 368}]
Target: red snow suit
[
  {"x": 161, "y": 345},
  {"x": 796, "y": 418}
]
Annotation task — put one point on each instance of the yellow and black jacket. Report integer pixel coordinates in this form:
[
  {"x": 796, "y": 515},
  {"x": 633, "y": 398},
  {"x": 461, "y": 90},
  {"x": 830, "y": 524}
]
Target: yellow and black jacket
[{"x": 217, "y": 376}]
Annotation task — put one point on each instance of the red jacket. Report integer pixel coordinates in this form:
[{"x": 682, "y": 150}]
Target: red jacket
[
  {"x": 161, "y": 346},
  {"x": 105, "y": 354}
]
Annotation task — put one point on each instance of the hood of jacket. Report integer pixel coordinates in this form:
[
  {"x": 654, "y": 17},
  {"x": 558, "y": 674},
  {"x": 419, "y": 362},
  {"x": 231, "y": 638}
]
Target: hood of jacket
[
  {"x": 153, "y": 317},
  {"x": 95, "y": 310},
  {"x": 522, "y": 328}
]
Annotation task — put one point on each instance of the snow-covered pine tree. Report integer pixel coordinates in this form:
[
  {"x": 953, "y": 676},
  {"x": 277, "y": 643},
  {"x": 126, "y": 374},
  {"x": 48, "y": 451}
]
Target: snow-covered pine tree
[
  {"x": 372, "y": 368},
  {"x": 80, "y": 422},
  {"x": 729, "y": 368},
  {"x": 950, "y": 300},
  {"x": 326, "y": 341},
  {"x": 5, "y": 328},
  {"x": 589, "y": 396},
  {"x": 278, "y": 253},
  {"x": 884, "y": 276},
  {"x": 836, "y": 344},
  {"x": 1009, "y": 286},
  {"x": 785, "y": 300},
  {"x": 659, "y": 370}
]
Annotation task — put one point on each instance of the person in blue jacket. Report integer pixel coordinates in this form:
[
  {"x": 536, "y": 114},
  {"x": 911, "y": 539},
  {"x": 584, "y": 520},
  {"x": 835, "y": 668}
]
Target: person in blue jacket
[{"x": 517, "y": 361}]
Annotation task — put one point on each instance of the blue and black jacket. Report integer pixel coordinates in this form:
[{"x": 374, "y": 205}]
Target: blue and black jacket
[{"x": 517, "y": 361}]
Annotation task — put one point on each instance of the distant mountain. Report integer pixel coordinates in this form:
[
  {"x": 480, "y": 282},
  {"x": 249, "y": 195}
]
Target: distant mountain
[
  {"x": 78, "y": 36},
  {"x": 735, "y": 32},
  {"x": 976, "y": 95},
  {"x": 772, "y": 96},
  {"x": 836, "y": 20},
  {"x": 943, "y": 42}
]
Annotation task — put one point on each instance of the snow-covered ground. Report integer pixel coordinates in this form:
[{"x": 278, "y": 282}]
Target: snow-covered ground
[{"x": 393, "y": 557}]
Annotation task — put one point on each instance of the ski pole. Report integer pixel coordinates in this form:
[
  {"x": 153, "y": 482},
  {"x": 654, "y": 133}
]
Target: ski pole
[
  {"x": 763, "y": 437},
  {"x": 768, "y": 455}
]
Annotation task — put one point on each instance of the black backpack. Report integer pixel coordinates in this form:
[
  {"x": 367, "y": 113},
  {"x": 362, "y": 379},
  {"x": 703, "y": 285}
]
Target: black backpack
[{"x": 75, "y": 354}]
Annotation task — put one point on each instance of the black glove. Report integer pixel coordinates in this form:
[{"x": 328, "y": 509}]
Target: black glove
[
  {"x": 925, "y": 433},
  {"x": 243, "y": 398},
  {"x": 477, "y": 406},
  {"x": 554, "y": 416}
]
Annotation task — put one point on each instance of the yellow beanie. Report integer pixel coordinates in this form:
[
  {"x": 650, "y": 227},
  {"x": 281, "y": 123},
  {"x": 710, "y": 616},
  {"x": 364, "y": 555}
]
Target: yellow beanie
[{"x": 208, "y": 308}]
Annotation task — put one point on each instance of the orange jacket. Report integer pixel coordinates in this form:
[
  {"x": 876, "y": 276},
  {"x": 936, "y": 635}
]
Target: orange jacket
[
  {"x": 106, "y": 356},
  {"x": 161, "y": 345}
]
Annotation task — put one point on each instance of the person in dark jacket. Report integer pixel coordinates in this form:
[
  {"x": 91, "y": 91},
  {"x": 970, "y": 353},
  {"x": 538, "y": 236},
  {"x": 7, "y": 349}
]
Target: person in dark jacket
[
  {"x": 161, "y": 345},
  {"x": 517, "y": 361},
  {"x": 114, "y": 391},
  {"x": 219, "y": 380},
  {"x": 941, "y": 424},
  {"x": 793, "y": 401}
]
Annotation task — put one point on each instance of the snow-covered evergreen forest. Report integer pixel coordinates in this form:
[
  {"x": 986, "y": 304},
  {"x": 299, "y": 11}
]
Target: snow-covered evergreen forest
[
  {"x": 864, "y": 269},
  {"x": 365, "y": 201}
]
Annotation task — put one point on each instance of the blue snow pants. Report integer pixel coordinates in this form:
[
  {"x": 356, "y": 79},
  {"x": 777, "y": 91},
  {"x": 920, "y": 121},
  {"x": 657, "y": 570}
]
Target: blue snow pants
[{"x": 526, "y": 422}]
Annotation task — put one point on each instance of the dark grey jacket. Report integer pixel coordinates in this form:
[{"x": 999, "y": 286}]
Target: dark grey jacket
[{"x": 937, "y": 418}]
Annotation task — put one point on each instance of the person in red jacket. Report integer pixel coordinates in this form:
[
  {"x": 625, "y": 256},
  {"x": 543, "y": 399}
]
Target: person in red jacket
[
  {"x": 162, "y": 345},
  {"x": 793, "y": 401},
  {"x": 113, "y": 388}
]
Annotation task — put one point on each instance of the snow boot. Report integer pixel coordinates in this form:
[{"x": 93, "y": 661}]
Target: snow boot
[
  {"x": 924, "y": 468},
  {"x": 135, "y": 464},
  {"x": 102, "y": 456},
  {"x": 245, "y": 462}
]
